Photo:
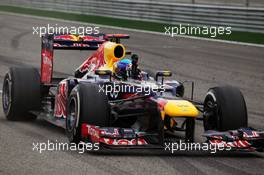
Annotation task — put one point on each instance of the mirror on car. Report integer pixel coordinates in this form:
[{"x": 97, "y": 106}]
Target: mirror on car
[{"x": 163, "y": 74}]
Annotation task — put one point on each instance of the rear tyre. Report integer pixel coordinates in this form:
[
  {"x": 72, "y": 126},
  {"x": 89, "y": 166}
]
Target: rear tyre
[
  {"x": 87, "y": 105},
  {"x": 224, "y": 109},
  {"x": 21, "y": 93}
]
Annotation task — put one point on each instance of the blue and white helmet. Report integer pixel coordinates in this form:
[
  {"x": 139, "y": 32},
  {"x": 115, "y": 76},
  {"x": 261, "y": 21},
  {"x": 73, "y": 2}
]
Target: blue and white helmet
[{"x": 122, "y": 67}]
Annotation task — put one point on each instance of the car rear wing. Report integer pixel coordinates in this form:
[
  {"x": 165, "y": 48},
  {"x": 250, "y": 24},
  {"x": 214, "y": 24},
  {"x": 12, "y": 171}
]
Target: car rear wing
[
  {"x": 116, "y": 37},
  {"x": 77, "y": 42},
  {"x": 51, "y": 42}
]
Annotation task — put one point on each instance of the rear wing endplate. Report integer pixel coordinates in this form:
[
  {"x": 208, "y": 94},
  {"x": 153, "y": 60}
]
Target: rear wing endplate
[{"x": 49, "y": 43}]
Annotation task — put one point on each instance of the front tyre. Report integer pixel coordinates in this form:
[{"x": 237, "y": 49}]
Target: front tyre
[
  {"x": 86, "y": 105},
  {"x": 224, "y": 109}
]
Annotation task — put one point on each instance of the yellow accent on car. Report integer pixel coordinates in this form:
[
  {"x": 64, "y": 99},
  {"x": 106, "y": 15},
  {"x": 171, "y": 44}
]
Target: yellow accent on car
[
  {"x": 180, "y": 108},
  {"x": 76, "y": 37},
  {"x": 102, "y": 72},
  {"x": 113, "y": 52},
  {"x": 166, "y": 73},
  {"x": 162, "y": 114}
]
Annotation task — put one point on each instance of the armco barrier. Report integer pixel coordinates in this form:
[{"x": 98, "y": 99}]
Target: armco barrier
[{"x": 239, "y": 18}]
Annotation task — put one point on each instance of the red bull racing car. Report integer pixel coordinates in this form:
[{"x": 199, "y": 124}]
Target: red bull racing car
[{"x": 111, "y": 101}]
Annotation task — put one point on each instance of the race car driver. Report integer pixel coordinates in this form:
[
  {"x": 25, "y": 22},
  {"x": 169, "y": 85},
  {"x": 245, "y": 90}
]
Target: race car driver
[{"x": 127, "y": 68}]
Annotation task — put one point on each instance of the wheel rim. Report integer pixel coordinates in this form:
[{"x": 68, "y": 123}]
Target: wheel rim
[
  {"x": 210, "y": 113},
  {"x": 72, "y": 116},
  {"x": 6, "y": 96}
]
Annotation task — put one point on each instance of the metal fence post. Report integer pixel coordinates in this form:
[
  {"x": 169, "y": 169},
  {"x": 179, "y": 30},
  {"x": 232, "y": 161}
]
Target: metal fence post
[{"x": 247, "y": 3}]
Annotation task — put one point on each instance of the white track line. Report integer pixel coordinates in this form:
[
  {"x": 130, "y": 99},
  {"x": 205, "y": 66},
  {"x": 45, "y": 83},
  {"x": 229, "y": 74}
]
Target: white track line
[
  {"x": 1, "y": 91},
  {"x": 134, "y": 30}
]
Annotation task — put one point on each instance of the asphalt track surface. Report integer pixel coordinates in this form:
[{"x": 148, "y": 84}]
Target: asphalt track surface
[{"x": 207, "y": 63}]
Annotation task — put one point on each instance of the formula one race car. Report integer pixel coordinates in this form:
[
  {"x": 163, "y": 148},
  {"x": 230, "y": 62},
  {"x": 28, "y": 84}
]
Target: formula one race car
[{"x": 110, "y": 101}]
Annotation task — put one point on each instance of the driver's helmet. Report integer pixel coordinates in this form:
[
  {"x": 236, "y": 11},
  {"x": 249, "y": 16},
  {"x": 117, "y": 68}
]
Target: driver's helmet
[{"x": 122, "y": 68}]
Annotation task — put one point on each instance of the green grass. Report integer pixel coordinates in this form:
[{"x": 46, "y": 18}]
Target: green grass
[{"x": 247, "y": 37}]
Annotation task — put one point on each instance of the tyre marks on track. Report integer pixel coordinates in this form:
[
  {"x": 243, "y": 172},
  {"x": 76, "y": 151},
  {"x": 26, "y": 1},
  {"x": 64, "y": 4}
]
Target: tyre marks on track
[{"x": 15, "y": 41}]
